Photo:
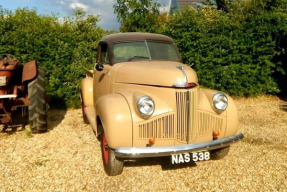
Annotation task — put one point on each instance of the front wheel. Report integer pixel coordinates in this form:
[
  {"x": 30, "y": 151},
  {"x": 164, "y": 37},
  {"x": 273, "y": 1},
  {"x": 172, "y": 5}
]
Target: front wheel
[
  {"x": 219, "y": 153},
  {"x": 283, "y": 106},
  {"x": 112, "y": 165}
]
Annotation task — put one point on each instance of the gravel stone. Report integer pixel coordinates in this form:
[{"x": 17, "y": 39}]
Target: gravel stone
[{"x": 68, "y": 158}]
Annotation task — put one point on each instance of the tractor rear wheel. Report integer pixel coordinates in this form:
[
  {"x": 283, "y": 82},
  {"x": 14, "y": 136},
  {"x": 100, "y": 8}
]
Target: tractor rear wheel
[{"x": 37, "y": 103}]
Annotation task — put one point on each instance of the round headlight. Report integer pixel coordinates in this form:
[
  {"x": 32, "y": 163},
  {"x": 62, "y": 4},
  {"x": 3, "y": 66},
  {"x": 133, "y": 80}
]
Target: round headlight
[
  {"x": 220, "y": 102},
  {"x": 145, "y": 106}
]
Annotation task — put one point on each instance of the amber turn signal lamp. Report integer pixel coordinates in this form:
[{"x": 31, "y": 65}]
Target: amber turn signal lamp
[
  {"x": 216, "y": 133},
  {"x": 151, "y": 140}
]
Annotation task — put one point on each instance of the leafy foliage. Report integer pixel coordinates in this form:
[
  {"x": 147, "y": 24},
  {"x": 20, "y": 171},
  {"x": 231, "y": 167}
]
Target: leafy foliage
[
  {"x": 241, "y": 50},
  {"x": 137, "y": 15},
  {"x": 237, "y": 46},
  {"x": 64, "y": 48}
]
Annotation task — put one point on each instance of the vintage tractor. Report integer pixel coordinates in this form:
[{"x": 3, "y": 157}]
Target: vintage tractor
[{"x": 22, "y": 90}]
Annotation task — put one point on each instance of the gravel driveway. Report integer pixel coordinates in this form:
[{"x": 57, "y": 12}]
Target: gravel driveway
[{"x": 68, "y": 158}]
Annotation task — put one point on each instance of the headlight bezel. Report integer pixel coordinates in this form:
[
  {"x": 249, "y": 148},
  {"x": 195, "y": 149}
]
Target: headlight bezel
[
  {"x": 220, "y": 102},
  {"x": 145, "y": 100}
]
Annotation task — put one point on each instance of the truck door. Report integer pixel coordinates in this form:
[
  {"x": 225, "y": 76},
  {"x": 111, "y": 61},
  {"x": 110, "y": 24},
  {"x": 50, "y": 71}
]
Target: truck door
[{"x": 102, "y": 78}]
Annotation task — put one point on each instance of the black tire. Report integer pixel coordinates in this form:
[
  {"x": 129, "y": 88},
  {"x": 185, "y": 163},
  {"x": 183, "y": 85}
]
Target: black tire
[
  {"x": 112, "y": 165},
  {"x": 283, "y": 106},
  {"x": 219, "y": 153},
  {"x": 85, "y": 119},
  {"x": 37, "y": 103}
]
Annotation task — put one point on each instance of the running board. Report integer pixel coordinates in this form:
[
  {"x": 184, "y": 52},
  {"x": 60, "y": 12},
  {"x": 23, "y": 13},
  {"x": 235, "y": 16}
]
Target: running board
[{"x": 91, "y": 115}]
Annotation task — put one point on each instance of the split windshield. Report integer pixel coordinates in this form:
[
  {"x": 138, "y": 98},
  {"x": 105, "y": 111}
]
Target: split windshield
[{"x": 144, "y": 50}]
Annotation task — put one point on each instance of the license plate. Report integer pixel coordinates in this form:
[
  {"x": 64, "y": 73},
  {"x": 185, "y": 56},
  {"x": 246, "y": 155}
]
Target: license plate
[{"x": 187, "y": 157}]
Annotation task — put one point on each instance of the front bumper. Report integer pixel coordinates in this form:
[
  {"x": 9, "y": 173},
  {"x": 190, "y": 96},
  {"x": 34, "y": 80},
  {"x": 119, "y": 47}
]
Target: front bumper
[{"x": 141, "y": 152}]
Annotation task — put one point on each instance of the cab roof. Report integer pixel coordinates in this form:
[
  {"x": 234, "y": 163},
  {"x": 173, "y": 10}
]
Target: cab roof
[
  {"x": 134, "y": 36},
  {"x": 112, "y": 39}
]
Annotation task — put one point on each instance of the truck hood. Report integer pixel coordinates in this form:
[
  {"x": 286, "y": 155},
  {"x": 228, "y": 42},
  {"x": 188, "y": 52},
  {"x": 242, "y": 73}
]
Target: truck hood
[{"x": 156, "y": 73}]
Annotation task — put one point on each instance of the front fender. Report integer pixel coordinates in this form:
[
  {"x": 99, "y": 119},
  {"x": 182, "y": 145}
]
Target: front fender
[
  {"x": 87, "y": 91},
  {"x": 115, "y": 115},
  {"x": 231, "y": 113},
  {"x": 132, "y": 96}
]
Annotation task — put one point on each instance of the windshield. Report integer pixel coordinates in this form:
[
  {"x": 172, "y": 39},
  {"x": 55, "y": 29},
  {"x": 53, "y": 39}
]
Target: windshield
[{"x": 144, "y": 50}]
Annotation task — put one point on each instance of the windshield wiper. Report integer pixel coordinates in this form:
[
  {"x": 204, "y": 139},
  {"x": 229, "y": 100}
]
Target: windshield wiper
[{"x": 137, "y": 57}]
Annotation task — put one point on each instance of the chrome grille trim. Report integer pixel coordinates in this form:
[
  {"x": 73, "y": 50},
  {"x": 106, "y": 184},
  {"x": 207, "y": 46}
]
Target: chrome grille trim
[
  {"x": 192, "y": 116},
  {"x": 185, "y": 106},
  {"x": 162, "y": 128},
  {"x": 187, "y": 116},
  {"x": 181, "y": 115}
]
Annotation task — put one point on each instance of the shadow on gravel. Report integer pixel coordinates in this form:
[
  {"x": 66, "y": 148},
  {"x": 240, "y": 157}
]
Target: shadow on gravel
[
  {"x": 164, "y": 162},
  {"x": 55, "y": 117},
  {"x": 264, "y": 142},
  {"x": 11, "y": 129},
  {"x": 19, "y": 121}
]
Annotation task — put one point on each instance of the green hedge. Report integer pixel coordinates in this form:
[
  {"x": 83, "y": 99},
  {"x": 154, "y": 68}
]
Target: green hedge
[
  {"x": 240, "y": 49},
  {"x": 242, "y": 53},
  {"x": 64, "y": 47}
]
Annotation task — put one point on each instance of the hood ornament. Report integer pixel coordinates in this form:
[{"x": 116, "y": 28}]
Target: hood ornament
[
  {"x": 183, "y": 72},
  {"x": 185, "y": 84}
]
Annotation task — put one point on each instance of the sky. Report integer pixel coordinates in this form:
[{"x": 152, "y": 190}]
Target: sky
[{"x": 64, "y": 8}]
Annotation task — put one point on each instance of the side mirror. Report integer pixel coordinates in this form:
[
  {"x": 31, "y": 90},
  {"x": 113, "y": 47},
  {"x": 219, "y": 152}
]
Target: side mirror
[
  {"x": 99, "y": 67},
  {"x": 191, "y": 65}
]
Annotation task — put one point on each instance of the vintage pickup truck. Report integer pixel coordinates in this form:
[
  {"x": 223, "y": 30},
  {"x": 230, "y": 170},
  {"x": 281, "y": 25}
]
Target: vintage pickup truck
[{"x": 142, "y": 101}]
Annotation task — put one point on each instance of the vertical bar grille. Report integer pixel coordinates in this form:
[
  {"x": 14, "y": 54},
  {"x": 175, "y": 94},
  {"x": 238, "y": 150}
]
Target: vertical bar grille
[
  {"x": 181, "y": 100},
  {"x": 186, "y": 124},
  {"x": 160, "y": 128},
  {"x": 185, "y": 105},
  {"x": 192, "y": 114},
  {"x": 209, "y": 123}
]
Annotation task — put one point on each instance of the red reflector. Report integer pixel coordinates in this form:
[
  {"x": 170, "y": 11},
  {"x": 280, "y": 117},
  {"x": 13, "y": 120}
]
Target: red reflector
[
  {"x": 216, "y": 133},
  {"x": 190, "y": 84},
  {"x": 184, "y": 85},
  {"x": 152, "y": 140}
]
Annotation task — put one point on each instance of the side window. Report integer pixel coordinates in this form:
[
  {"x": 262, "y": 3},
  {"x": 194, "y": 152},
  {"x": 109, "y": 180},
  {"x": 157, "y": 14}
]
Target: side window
[{"x": 104, "y": 55}]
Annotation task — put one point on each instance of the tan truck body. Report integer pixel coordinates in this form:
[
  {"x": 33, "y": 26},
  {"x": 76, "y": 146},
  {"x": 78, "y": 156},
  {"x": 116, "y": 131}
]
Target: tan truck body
[{"x": 182, "y": 115}]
